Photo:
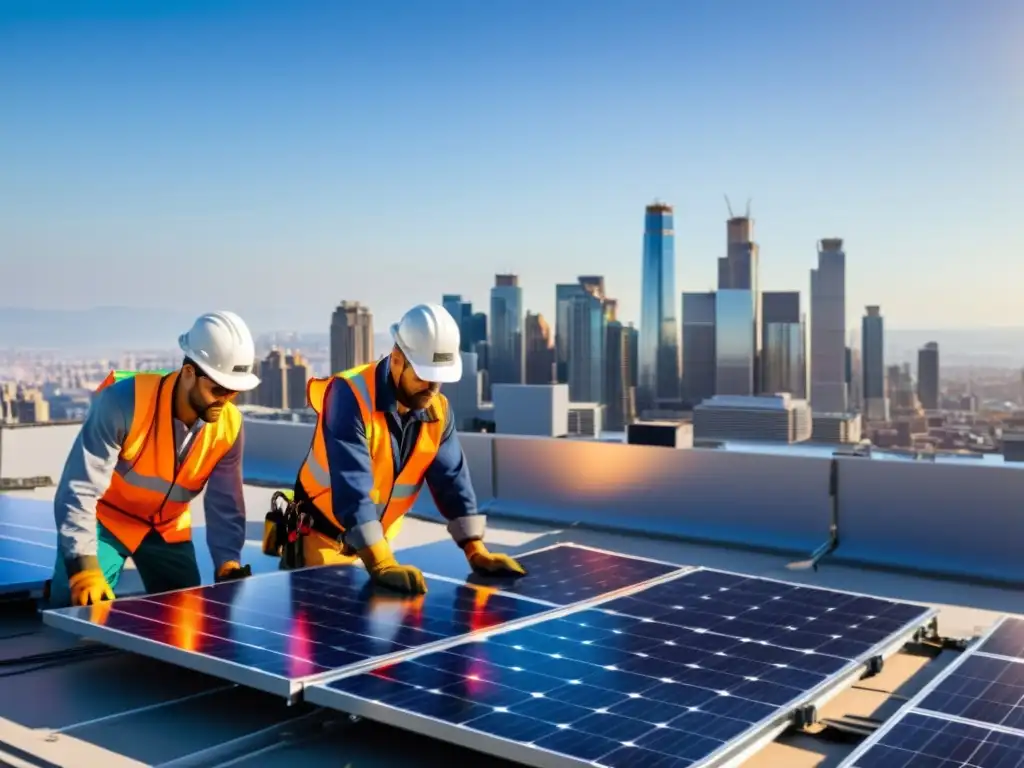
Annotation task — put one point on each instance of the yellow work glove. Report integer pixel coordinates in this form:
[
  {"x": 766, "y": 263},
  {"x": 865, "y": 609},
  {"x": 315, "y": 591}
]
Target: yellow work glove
[
  {"x": 386, "y": 572},
  {"x": 89, "y": 587},
  {"x": 232, "y": 570},
  {"x": 488, "y": 563}
]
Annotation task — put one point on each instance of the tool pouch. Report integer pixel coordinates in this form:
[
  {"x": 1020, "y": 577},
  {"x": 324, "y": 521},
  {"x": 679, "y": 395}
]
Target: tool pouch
[
  {"x": 274, "y": 525},
  {"x": 292, "y": 553}
]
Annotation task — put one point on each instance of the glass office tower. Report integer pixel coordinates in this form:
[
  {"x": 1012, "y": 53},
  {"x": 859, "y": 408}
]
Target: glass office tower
[
  {"x": 734, "y": 351},
  {"x": 506, "y": 363},
  {"x": 699, "y": 357},
  {"x": 872, "y": 351},
  {"x": 587, "y": 327},
  {"x": 658, "y": 365}
]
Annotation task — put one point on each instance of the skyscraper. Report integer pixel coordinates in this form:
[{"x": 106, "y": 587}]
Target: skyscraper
[
  {"x": 698, "y": 347},
  {"x": 587, "y": 327},
  {"x": 564, "y": 293},
  {"x": 659, "y": 361},
  {"x": 273, "y": 386},
  {"x": 828, "y": 329},
  {"x": 739, "y": 270},
  {"x": 540, "y": 350},
  {"x": 351, "y": 336},
  {"x": 453, "y": 303},
  {"x": 783, "y": 345},
  {"x": 734, "y": 347},
  {"x": 928, "y": 376},
  {"x": 619, "y": 390},
  {"x": 505, "y": 365},
  {"x": 872, "y": 351},
  {"x": 297, "y": 377}
]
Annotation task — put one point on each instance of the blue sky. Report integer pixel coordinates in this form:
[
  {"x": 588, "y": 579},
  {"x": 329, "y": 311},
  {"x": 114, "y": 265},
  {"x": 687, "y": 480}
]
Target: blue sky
[{"x": 274, "y": 158}]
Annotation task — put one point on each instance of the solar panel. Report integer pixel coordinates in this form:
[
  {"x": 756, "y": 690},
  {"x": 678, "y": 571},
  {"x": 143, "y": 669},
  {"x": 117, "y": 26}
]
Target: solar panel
[
  {"x": 984, "y": 689},
  {"x": 921, "y": 741},
  {"x": 968, "y": 715},
  {"x": 28, "y": 539},
  {"x": 682, "y": 673},
  {"x": 564, "y": 574},
  {"x": 273, "y": 631},
  {"x": 34, "y": 513},
  {"x": 1007, "y": 639}
]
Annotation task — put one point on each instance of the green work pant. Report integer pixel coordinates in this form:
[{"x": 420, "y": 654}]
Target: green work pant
[{"x": 161, "y": 566}]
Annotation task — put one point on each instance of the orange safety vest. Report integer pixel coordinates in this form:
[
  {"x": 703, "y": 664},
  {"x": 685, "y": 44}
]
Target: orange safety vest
[
  {"x": 393, "y": 496},
  {"x": 147, "y": 492}
]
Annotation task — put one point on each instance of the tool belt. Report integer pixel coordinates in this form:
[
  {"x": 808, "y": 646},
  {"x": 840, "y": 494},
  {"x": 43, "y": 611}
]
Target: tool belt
[{"x": 285, "y": 525}]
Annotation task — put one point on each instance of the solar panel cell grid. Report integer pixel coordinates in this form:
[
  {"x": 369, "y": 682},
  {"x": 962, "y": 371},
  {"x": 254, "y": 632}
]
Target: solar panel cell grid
[
  {"x": 981, "y": 688},
  {"x": 295, "y": 624},
  {"x": 565, "y": 574},
  {"x": 621, "y": 690},
  {"x": 803, "y": 618},
  {"x": 920, "y": 741},
  {"x": 1006, "y": 640}
]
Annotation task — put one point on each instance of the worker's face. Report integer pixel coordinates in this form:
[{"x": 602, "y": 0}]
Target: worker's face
[
  {"x": 412, "y": 391},
  {"x": 206, "y": 397}
]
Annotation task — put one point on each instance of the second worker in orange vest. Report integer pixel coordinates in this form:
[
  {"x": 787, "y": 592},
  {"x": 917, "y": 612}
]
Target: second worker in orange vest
[{"x": 383, "y": 430}]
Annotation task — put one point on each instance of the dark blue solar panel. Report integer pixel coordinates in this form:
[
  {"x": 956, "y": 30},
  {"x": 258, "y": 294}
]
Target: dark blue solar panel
[
  {"x": 1006, "y": 640},
  {"x": 28, "y": 541},
  {"x": 568, "y": 574},
  {"x": 630, "y": 690},
  {"x": 294, "y": 624},
  {"x": 919, "y": 741},
  {"x": 983, "y": 689},
  {"x": 804, "y": 618},
  {"x": 32, "y": 513},
  {"x": 23, "y": 566}
]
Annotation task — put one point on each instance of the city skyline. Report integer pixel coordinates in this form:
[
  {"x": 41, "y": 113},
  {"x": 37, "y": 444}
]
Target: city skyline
[{"x": 233, "y": 166}]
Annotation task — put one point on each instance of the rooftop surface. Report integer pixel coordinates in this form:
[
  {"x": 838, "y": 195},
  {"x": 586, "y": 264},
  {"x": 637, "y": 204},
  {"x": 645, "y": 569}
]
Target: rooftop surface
[{"x": 117, "y": 709}]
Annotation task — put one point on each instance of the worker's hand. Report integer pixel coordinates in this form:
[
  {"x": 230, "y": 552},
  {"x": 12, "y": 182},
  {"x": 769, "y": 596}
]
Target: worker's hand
[
  {"x": 488, "y": 563},
  {"x": 231, "y": 570},
  {"x": 89, "y": 587},
  {"x": 386, "y": 572}
]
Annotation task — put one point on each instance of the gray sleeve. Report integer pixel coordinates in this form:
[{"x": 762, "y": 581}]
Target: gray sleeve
[
  {"x": 88, "y": 471},
  {"x": 224, "y": 504}
]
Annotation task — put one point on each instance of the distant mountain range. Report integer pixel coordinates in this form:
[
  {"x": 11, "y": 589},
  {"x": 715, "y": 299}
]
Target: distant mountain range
[{"x": 115, "y": 329}]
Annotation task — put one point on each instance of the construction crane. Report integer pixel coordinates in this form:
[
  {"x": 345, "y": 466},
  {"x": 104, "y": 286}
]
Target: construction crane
[{"x": 728, "y": 207}]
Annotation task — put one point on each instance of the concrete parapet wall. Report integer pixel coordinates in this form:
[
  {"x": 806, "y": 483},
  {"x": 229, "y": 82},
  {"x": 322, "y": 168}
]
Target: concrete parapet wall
[
  {"x": 952, "y": 519},
  {"x": 958, "y": 520},
  {"x": 36, "y": 450},
  {"x": 770, "y": 502}
]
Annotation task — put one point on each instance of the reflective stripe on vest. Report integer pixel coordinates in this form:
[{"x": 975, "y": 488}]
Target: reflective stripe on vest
[
  {"x": 392, "y": 497},
  {"x": 149, "y": 490}
]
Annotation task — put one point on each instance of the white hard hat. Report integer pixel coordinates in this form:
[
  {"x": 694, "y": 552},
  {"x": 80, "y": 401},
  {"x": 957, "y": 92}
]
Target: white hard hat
[
  {"x": 429, "y": 338},
  {"x": 221, "y": 345}
]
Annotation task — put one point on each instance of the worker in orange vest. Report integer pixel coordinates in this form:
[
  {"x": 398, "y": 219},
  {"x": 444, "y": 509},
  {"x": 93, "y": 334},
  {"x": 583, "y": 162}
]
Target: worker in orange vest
[
  {"x": 382, "y": 430},
  {"x": 148, "y": 447}
]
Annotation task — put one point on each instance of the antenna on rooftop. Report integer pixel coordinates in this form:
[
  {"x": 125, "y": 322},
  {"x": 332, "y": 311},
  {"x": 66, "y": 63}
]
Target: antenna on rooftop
[
  {"x": 728, "y": 206},
  {"x": 748, "y": 207}
]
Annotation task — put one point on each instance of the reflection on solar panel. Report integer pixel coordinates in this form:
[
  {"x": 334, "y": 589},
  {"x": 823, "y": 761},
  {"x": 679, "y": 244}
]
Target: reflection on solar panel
[
  {"x": 682, "y": 673},
  {"x": 28, "y": 540},
  {"x": 921, "y": 741},
  {"x": 564, "y": 574},
  {"x": 1006, "y": 640},
  {"x": 270, "y": 632}
]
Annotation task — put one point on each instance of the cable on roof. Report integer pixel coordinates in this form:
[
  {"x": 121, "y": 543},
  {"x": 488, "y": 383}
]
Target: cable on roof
[{"x": 35, "y": 662}]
